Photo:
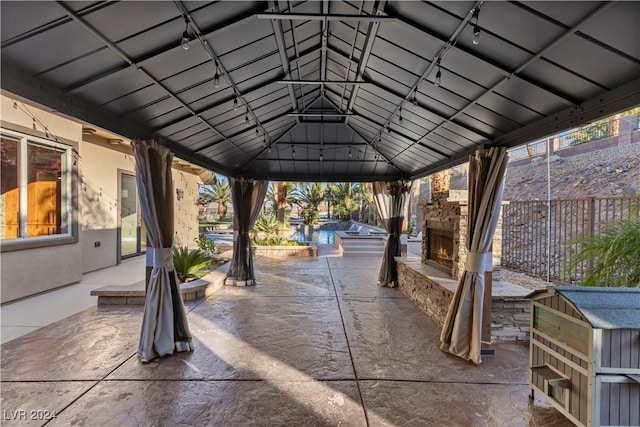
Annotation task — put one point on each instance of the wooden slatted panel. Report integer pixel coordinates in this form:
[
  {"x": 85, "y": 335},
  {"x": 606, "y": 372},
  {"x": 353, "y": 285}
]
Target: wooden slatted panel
[
  {"x": 634, "y": 405},
  {"x": 605, "y": 392},
  {"x": 634, "y": 350}
]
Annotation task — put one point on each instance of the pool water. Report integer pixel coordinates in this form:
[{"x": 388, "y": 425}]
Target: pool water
[{"x": 322, "y": 237}]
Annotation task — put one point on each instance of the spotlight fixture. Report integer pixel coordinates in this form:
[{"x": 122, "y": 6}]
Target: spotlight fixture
[
  {"x": 293, "y": 151},
  {"x": 350, "y": 155},
  {"x": 185, "y": 35},
  {"x": 246, "y": 118},
  {"x": 476, "y": 27},
  {"x": 235, "y": 103},
  {"x": 257, "y": 132},
  {"x": 321, "y": 157},
  {"x": 414, "y": 101},
  {"x": 269, "y": 150},
  {"x": 388, "y": 129},
  {"x": 400, "y": 116},
  {"x": 438, "y": 80}
]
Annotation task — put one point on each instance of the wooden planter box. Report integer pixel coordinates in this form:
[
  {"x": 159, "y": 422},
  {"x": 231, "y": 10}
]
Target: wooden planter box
[
  {"x": 285, "y": 251},
  {"x": 585, "y": 353}
]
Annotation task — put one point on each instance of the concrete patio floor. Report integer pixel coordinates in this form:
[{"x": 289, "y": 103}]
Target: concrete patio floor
[{"x": 316, "y": 342}]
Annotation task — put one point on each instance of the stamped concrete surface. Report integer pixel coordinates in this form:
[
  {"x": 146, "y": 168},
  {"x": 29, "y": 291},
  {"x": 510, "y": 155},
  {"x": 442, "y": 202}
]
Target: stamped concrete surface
[{"x": 314, "y": 343}]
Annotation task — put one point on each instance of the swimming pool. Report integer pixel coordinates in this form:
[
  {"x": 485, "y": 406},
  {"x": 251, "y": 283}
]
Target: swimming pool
[{"x": 323, "y": 237}]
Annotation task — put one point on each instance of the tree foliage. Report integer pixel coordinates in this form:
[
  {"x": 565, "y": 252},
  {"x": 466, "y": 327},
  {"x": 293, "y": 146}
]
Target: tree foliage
[
  {"x": 220, "y": 192},
  {"x": 309, "y": 196},
  {"x": 614, "y": 254}
]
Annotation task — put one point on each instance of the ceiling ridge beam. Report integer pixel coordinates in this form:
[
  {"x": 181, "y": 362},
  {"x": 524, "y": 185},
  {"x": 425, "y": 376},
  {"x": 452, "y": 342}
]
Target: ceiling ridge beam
[
  {"x": 353, "y": 49},
  {"x": 524, "y": 65},
  {"x": 322, "y": 82},
  {"x": 88, "y": 27},
  {"x": 324, "y": 16},
  {"x": 366, "y": 52},
  {"x": 324, "y": 35},
  {"x": 286, "y": 66}
]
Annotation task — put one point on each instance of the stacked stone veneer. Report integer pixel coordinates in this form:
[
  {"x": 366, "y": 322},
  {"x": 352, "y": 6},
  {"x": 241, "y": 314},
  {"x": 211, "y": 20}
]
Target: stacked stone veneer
[
  {"x": 510, "y": 316},
  {"x": 449, "y": 210}
]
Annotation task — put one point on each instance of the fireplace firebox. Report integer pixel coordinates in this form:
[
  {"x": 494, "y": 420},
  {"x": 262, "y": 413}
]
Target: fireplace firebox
[{"x": 445, "y": 223}]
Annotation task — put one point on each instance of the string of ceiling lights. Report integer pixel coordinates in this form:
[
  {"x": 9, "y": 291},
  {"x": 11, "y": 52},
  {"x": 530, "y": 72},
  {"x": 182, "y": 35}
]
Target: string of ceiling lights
[
  {"x": 472, "y": 16},
  {"x": 220, "y": 72}
]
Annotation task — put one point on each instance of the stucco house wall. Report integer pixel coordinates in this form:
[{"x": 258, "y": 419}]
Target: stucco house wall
[{"x": 30, "y": 271}]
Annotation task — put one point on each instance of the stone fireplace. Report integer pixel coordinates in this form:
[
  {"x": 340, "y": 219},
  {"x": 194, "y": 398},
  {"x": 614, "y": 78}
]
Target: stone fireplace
[{"x": 444, "y": 231}]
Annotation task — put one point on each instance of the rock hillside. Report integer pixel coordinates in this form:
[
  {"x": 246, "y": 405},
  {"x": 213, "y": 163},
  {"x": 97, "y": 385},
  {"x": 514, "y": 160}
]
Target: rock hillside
[{"x": 604, "y": 173}]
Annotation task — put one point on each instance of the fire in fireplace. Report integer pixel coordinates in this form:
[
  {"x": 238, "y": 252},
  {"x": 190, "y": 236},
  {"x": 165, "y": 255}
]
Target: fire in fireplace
[{"x": 440, "y": 247}]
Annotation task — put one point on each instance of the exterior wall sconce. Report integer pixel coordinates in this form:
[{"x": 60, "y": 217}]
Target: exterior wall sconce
[{"x": 179, "y": 193}]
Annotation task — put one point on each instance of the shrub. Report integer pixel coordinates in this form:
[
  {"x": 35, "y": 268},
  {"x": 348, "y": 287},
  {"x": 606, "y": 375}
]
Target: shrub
[
  {"x": 614, "y": 254},
  {"x": 206, "y": 245},
  {"x": 190, "y": 264}
]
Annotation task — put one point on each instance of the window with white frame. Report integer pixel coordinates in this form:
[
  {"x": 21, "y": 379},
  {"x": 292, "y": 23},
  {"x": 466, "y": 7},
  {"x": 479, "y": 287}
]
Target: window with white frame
[{"x": 35, "y": 197}]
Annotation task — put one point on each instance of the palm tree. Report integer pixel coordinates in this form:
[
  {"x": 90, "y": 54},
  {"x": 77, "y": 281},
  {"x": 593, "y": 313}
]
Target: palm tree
[
  {"x": 220, "y": 192},
  {"x": 283, "y": 197},
  {"x": 308, "y": 196},
  {"x": 347, "y": 197}
]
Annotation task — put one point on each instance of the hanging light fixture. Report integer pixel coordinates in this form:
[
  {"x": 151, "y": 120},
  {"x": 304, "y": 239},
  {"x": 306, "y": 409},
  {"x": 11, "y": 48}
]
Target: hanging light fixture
[
  {"x": 246, "y": 117},
  {"x": 438, "y": 80},
  {"x": 216, "y": 77},
  {"x": 293, "y": 151},
  {"x": 414, "y": 101},
  {"x": 269, "y": 150},
  {"x": 321, "y": 157},
  {"x": 400, "y": 116},
  {"x": 257, "y": 132},
  {"x": 235, "y": 103},
  {"x": 185, "y": 35},
  {"x": 476, "y": 27},
  {"x": 350, "y": 155}
]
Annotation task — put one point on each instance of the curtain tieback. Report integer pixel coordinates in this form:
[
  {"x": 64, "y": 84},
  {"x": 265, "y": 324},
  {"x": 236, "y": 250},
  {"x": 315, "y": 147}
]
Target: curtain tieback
[
  {"x": 479, "y": 262},
  {"x": 160, "y": 258}
]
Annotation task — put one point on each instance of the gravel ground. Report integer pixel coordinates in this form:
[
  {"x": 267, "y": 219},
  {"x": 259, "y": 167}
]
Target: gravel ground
[{"x": 522, "y": 279}]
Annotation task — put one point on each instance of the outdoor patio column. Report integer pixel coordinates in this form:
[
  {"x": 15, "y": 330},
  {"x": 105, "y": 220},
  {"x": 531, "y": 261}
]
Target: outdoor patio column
[
  {"x": 462, "y": 330},
  {"x": 392, "y": 201},
  {"x": 247, "y": 197},
  {"x": 164, "y": 324}
]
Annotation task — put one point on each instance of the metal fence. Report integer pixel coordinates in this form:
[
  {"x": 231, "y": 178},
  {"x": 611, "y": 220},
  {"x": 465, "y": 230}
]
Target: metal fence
[
  {"x": 604, "y": 128},
  {"x": 533, "y": 245}
]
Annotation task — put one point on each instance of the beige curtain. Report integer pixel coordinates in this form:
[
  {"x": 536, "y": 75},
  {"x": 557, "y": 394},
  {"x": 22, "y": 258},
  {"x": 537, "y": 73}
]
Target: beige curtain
[
  {"x": 392, "y": 201},
  {"x": 462, "y": 331},
  {"x": 247, "y": 196},
  {"x": 164, "y": 324}
]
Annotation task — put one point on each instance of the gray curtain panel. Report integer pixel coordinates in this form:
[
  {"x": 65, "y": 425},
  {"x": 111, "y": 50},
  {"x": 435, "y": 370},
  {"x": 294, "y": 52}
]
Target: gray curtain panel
[
  {"x": 247, "y": 196},
  {"x": 462, "y": 331},
  {"x": 391, "y": 200},
  {"x": 164, "y": 325}
]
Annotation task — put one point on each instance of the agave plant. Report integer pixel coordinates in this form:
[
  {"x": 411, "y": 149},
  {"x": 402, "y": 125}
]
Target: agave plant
[
  {"x": 190, "y": 264},
  {"x": 614, "y": 255}
]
